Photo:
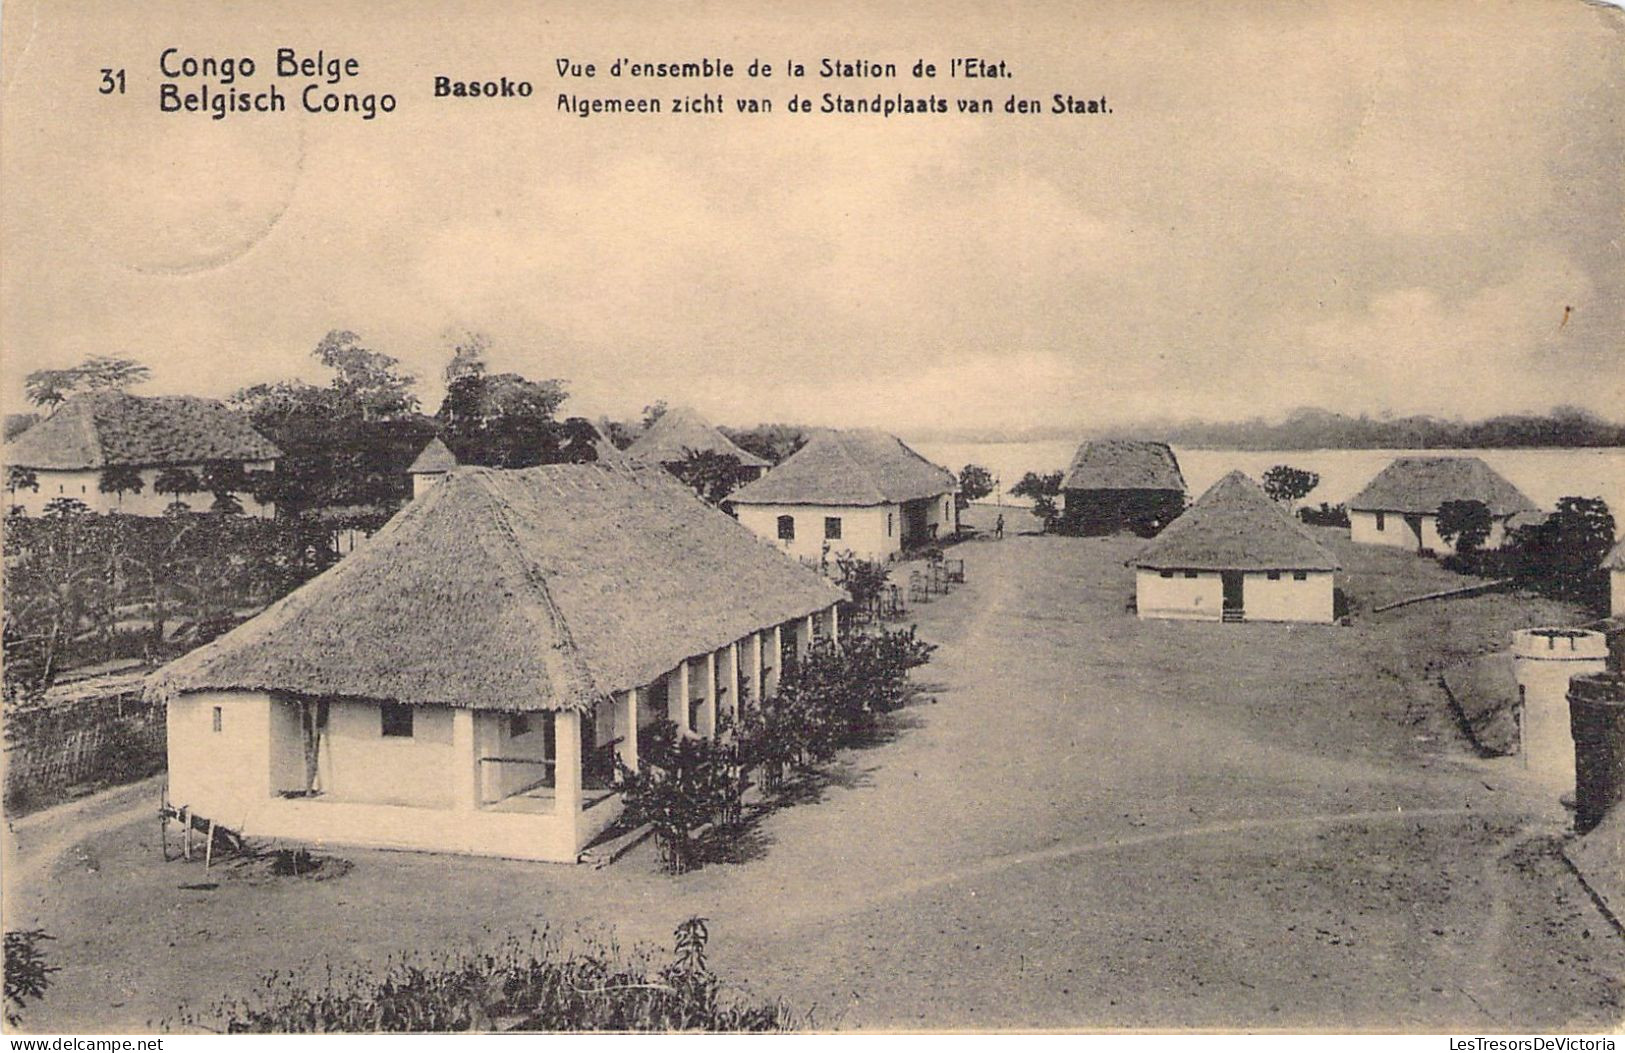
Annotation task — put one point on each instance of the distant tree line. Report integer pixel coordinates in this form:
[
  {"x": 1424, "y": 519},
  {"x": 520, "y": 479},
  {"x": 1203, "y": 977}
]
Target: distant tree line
[{"x": 1313, "y": 429}]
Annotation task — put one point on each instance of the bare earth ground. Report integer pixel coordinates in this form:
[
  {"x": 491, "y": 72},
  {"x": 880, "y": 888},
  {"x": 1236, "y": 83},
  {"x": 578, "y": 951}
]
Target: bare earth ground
[{"x": 1093, "y": 822}]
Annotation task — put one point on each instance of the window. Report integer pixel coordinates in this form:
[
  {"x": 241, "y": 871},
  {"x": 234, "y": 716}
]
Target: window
[
  {"x": 1300, "y": 575},
  {"x": 518, "y": 724},
  {"x": 218, "y": 717},
  {"x": 1190, "y": 574},
  {"x": 1167, "y": 573},
  {"x": 397, "y": 720},
  {"x": 888, "y": 524},
  {"x": 1382, "y": 521},
  {"x": 787, "y": 528},
  {"x": 832, "y": 528},
  {"x": 1275, "y": 575}
]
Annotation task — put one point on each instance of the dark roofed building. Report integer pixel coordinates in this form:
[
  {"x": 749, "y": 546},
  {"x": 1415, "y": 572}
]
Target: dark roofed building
[
  {"x": 1234, "y": 555},
  {"x": 464, "y": 680},
  {"x": 70, "y": 451},
  {"x": 860, "y": 491},
  {"x": 1400, "y": 507},
  {"x": 1122, "y": 484}
]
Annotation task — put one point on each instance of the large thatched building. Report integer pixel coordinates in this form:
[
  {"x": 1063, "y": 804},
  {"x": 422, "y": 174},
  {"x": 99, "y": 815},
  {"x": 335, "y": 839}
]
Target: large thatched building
[
  {"x": 1235, "y": 556},
  {"x": 681, "y": 431},
  {"x": 1122, "y": 484},
  {"x": 1400, "y": 507},
  {"x": 465, "y": 680},
  {"x": 861, "y": 492},
  {"x": 95, "y": 448}
]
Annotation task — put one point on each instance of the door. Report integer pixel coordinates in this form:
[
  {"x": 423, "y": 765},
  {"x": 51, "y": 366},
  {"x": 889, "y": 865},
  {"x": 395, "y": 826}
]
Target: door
[
  {"x": 913, "y": 523},
  {"x": 1232, "y": 590}
]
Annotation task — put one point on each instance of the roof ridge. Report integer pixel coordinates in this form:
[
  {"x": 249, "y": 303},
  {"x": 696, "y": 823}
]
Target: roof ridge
[{"x": 538, "y": 584}]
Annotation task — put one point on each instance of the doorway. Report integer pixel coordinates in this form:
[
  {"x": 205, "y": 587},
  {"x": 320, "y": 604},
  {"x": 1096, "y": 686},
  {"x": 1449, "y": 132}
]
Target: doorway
[{"x": 1233, "y": 607}]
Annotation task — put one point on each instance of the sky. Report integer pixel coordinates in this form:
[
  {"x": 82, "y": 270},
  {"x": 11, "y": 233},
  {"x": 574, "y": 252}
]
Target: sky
[{"x": 1385, "y": 207}]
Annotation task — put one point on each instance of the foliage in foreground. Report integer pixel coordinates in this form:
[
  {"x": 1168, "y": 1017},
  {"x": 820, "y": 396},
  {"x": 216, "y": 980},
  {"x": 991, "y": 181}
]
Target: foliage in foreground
[
  {"x": 827, "y": 699},
  {"x": 27, "y": 975},
  {"x": 533, "y": 985}
]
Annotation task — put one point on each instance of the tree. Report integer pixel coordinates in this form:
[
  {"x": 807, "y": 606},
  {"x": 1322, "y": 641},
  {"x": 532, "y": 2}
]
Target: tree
[
  {"x": 1563, "y": 555},
  {"x": 367, "y": 382},
  {"x": 121, "y": 479},
  {"x": 1286, "y": 483},
  {"x": 975, "y": 483},
  {"x": 467, "y": 357},
  {"x": 1465, "y": 525},
  {"x": 653, "y": 412},
  {"x": 178, "y": 482},
  {"x": 21, "y": 479},
  {"x": 771, "y": 442},
  {"x": 223, "y": 477},
  {"x": 1042, "y": 489},
  {"x": 49, "y": 387},
  {"x": 712, "y": 475}
]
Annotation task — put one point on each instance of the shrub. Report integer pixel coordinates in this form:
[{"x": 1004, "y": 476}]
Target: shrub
[
  {"x": 1326, "y": 515},
  {"x": 530, "y": 986},
  {"x": 682, "y": 784},
  {"x": 1465, "y": 525},
  {"x": 27, "y": 975}
]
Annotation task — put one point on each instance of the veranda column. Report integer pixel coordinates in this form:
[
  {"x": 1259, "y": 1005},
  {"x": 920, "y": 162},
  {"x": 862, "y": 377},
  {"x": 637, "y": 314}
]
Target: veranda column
[
  {"x": 835, "y": 624},
  {"x": 465, "y": 763},
  {"x": 775, "y": 642},
  {"x": 750, "y": 667},
  {"x": 733, "y": 679},
  {"x": 708, "y": 707},
  {"x": 806, "y": 635},
  {"x": 677, "y": 696},
  {"x": 567, "y": 763},
  {"x": 628, "y": 748}
]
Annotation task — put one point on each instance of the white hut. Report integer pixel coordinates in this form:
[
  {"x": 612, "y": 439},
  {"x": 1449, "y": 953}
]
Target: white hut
[
  {"x": 860, "y": 491},
  {"x": 1400, "y": 507},
  {"x": 432, "y": 464},
  {"x": 1235, "y": 556},
  {"x": 464, "y": 682}
]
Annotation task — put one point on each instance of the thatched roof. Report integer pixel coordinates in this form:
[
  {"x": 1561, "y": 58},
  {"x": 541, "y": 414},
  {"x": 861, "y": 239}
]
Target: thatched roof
[
  {"x": 855, "y": 467},
  {"x": 1419, "y": 485},
  {"x": 537, "y": 589},
  {"x": 435, "y": 458},
  {"x": 1124, "y": 464},
  {"x": 1234, "y": 526},
  {"x": 681, "y": 431},
  {"x": 113, "y": 428}
]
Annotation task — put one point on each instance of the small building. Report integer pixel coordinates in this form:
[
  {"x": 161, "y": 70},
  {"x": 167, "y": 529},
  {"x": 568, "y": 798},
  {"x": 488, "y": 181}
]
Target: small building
[
  {"x": 1400, "y": 507},
  {"x": 96, "y": 446},
  {"x": 1615, "y": 565},
  {"x": 431, "y": 466},
  {"x": 1235, "y": 556},
  {"x": 1122, "y": 484},
  {"x": 681, "y": 431},
  {"x": 859, "y": 491},
  {"x": 1544, "y": 660},
  {"x": 467, "y": 680}
]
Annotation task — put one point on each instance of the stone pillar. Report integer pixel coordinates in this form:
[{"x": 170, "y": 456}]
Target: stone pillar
[
  {"x": 628, "y": 749},
  {"x": 1544, "y": 660},
  {"x": 708, "y": 707},
  {"x": 465, "y": 762}
]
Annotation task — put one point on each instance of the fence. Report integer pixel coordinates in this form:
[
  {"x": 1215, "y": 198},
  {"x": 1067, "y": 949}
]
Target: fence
[{"x": 98, "y": 733}]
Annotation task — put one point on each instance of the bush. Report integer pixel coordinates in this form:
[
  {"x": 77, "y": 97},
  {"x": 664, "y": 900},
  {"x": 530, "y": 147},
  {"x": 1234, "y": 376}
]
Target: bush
[
  {"x": 682, "y": 784},
  {"x": 532, "y": 986},
  {"x": 27, "y": 975},
  {"x": 1326, "y": 515}
]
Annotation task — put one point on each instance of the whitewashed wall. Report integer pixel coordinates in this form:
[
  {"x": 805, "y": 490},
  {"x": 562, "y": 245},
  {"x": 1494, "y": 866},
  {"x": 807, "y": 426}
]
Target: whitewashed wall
[
  {"x": 869, "y": 532},
  {"x": 1397, "y": 533},
  {"x": 86, "y": 486},
  {"x": 1287, "y": 599},
  {"x": 1201, "y": 597}
]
